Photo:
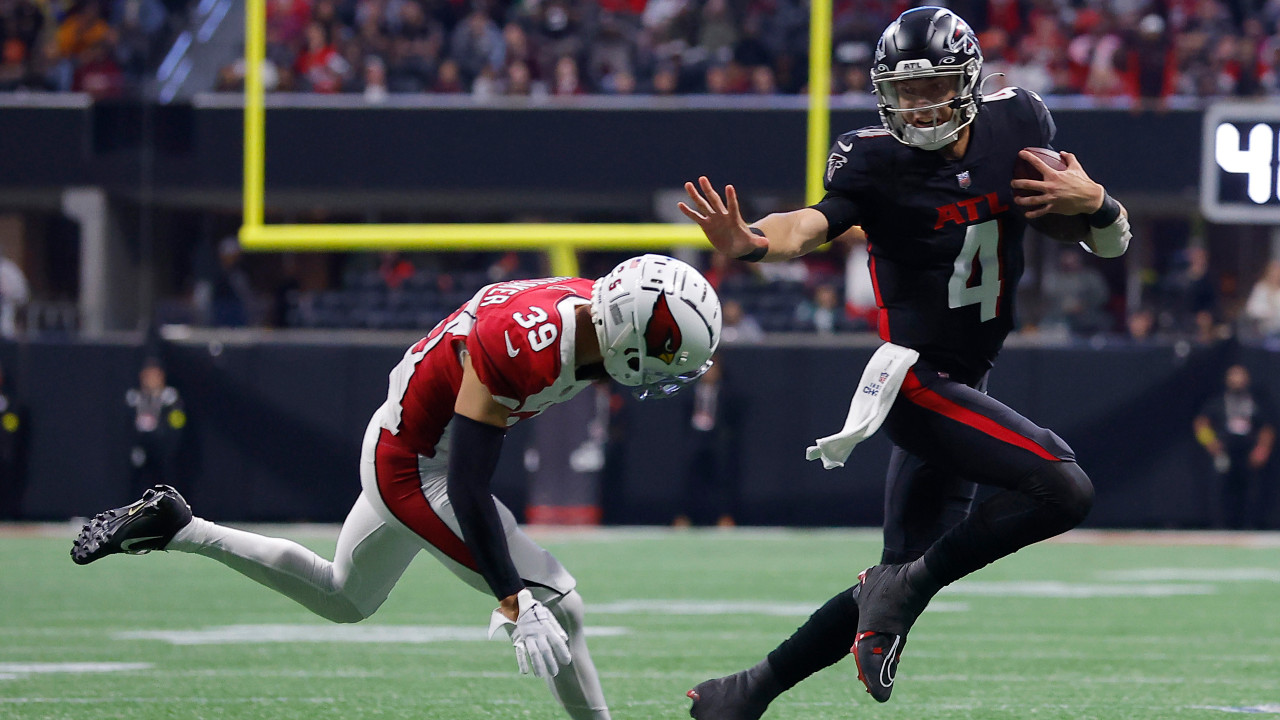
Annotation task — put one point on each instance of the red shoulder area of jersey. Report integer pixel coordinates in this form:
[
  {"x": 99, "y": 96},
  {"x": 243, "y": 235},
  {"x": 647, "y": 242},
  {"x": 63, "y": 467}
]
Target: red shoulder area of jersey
[{"x": 516, "y": 344}]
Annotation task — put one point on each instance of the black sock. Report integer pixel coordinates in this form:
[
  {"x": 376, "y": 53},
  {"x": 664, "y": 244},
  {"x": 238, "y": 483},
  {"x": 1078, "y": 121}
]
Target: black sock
[
  {"x": 763, "y": 682},
  {"x": 974, "y": 542},
  {"x": 921, "y": 579},
  {"x": 822, "y": 641}
]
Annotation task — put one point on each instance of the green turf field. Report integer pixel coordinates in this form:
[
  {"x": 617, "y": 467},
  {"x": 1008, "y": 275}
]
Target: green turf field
[{"x": 1134, "y": 627}]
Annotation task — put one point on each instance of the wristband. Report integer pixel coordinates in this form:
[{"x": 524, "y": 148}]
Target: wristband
[
  {"x": 758, "y": 254},
  {"x": 1107, "y": 214}
]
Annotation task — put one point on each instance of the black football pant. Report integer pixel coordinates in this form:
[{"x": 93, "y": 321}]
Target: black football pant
[{"x": 949, "y": 438}]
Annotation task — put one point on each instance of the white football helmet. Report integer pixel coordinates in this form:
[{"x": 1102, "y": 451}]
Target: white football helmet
[{"x": 658, "y": 323}]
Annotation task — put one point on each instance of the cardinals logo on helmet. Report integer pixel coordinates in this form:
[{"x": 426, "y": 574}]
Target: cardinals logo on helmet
[{"x": 662, "y": 335}]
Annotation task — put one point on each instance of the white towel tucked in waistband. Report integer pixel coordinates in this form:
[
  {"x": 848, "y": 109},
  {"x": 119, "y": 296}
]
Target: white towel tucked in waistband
[{"x": 876, "y": 392}]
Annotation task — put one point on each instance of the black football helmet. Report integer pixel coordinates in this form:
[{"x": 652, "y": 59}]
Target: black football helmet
[{"x": 928, "y": 42}]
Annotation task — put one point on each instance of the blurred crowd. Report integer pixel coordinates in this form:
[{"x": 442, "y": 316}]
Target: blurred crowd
[
  {"x": 1187, "y": 301},
  {"x": 1148, "y": 49},
  {"x": 101, "y": 47},
  {"x": 1144, "y": 50}
]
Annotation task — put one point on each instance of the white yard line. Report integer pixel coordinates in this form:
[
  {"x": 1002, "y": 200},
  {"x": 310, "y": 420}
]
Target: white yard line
[
  {"x": 1200, "y": 574},
  {"x": 30, "y": 668},
  {"x": 373, "y": 634}
]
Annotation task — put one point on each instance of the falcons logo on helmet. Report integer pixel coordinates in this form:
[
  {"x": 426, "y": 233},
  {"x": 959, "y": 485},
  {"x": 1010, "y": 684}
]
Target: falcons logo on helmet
[
  {"x": 962, "y": 39},
  {"x": 662, "y": 337}
]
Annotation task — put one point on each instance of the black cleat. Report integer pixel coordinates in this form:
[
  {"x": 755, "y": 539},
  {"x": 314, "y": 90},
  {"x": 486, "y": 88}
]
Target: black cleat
[
  {"x": 146, "y": 525},
  {"x": 726, "y": 698},
  {"x": 887, "y": 608}
]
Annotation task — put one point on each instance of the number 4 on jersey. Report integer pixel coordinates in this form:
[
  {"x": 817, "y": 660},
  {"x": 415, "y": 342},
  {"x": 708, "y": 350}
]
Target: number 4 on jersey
[{"x": 980, "y": 254}]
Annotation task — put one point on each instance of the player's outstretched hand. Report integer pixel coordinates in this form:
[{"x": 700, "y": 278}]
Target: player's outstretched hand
[
  {"x": 541, "y": 644},
  {"x": 721, "y": 220},
  {"x": 1065, "y": 192}
]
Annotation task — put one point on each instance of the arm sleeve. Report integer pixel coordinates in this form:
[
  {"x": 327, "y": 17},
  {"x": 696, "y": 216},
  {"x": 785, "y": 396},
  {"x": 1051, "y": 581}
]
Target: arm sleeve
[
  {"x": 845, "y": 179},
  {"x": 841, "y": 212},
  {"x": 473, "y": 456}
]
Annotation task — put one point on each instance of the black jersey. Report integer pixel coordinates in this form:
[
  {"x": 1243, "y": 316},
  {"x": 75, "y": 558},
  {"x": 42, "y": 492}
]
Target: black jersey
[{"x": 944, "y": 237}]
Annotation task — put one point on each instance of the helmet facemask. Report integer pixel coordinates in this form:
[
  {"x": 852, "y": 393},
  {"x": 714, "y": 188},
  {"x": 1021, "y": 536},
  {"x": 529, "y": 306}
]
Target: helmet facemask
[{"x": 908, "y": 95}]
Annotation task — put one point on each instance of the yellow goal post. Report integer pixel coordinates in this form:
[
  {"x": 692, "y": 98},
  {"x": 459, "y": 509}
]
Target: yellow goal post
[{"x": 560, "y": 241}]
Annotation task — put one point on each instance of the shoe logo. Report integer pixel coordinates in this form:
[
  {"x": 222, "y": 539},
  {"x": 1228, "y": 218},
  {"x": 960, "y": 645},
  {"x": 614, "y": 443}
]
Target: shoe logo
[
  {"x": 511, "y": 351},
  {"x": 846, "y": 147},
  {"x": 889, "y": 670},
  {"x": 134, "y": 510},
  {"x": 129, "y": 544}
]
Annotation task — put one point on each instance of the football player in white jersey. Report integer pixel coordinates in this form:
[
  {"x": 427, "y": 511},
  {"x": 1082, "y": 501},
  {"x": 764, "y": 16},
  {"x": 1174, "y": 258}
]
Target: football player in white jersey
[{"x": 429, "y": 454}]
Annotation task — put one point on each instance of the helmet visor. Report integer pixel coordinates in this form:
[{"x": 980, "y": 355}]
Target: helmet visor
[
  {"x": 926, "y": 110},
  {"x": 669, "y": 385},
  {"x": 922, "y": 94}
]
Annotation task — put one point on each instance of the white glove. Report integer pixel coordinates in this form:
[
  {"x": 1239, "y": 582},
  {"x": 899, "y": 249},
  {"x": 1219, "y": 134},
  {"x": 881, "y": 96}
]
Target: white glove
[{"x": 539, "y": 640}]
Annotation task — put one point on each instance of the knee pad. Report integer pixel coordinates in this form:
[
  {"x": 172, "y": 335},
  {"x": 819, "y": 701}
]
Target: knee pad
[{"x": 1066, "y": 488}]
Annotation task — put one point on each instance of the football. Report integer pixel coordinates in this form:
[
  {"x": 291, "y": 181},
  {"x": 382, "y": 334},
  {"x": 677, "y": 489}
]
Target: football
[{"x": 1063, "y": 228}]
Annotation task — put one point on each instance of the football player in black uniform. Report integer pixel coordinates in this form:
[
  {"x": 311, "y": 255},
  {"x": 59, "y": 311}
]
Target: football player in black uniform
[{"x": 932, "y": 188}]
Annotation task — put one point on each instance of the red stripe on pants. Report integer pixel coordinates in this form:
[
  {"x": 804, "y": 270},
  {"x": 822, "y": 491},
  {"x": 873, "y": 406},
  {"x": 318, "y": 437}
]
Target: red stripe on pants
[
  {"x": 882, "y": 322},
  {"x": 926, "y": 398},
  {"x": 401, "y": 489}
]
